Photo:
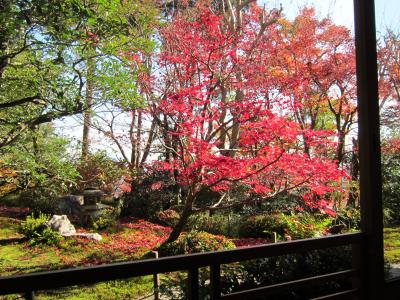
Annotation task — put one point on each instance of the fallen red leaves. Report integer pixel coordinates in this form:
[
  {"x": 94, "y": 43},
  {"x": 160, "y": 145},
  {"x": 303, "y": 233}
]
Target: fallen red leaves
[
  {"x": 244, "y": 242},
  {"x": 143, "y": 235}
]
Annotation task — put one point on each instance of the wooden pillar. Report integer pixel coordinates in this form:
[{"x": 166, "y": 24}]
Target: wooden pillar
[
  {"x": 30, "y": 295},
  {"x": 156, "y": 280},
  {"x": 369, "y": 148},
  {"x": 193, "y": 284}
]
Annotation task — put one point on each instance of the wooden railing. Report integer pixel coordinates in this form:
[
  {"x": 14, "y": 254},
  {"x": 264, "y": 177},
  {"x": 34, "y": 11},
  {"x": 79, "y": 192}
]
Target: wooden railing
[{"x": 29, "y": 283}]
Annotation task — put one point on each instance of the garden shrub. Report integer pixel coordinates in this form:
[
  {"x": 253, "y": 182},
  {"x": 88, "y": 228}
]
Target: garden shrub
[
  {"x": 215, "y": 224},
  {"x": 32, "y": 226},
  {"x": 391, "y": 183},
  {"x": 44, "y": 199},
  {"x": 100, "y": 171},
  {"x": 296, "y": 226},
  {"x": 152, "y": 193},
  {"x": 303, "y": 226},
  {"x": 42, "y": 168},
  {"x": 263, "y": 226},
  {"x": 48, "y": 237},
  {"x": 37, "y": 232},
  {"x": 103, "y": 223},
  {"x": 197, "y": 241},
  {"x": 349, "y": 217},
  {"x": 107, "y": 218}
]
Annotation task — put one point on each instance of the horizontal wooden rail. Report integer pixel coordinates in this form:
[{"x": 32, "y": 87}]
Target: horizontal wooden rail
[
  {"x": 291, "y": 285},
  {"x": 392, "y": 288},
  {"x": 90, "y": 275},
  {"x": 349, "y": 294}
]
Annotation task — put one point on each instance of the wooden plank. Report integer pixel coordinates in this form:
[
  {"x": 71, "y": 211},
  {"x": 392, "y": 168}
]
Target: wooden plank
[
  {"x": 290, "y": 286},
  {"x": 369, "y": 147}
]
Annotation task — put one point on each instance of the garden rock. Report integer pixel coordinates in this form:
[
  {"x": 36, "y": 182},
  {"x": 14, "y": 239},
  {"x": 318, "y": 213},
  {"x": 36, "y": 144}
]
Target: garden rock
[
  {"x": 61, "y": 224},
  {"x": 90, "y": 236}
]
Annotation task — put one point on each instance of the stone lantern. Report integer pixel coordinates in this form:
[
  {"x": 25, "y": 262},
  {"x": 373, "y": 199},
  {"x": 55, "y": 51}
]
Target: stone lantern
[{"x": 91, "y": 208}]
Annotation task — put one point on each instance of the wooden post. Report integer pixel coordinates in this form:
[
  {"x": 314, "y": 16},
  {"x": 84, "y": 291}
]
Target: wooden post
[
  {"x": 156, "y": 280},
  {"x": 30, "y": 295},
  {"x": 369, "y": 148},
  {"x": 193, "y": 284},
  {"x": 275, "y": 237},
  {"x": 215, "y": 281}
]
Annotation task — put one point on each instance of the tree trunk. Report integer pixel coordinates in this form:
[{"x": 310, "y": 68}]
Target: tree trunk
[
  {"x": 149, "y": 142},
  {"x": 235, "y": 133},
  {"x": 186, "y": 213},
  {"x": 138, "y": 139},
  {"x": 222, "y": 135},
  {"x": 87, "y": 115},
  {"x": 166, "y": 139},
  {"x": 132, "y": 140},
  {"x": 340, "y": 147},
  {"x": 353, "y": 194},
  {"x": 306, "y": 146}
]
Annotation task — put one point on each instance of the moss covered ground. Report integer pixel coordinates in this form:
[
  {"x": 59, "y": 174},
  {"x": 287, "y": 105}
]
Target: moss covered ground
[{"x": 130, "y": 240}]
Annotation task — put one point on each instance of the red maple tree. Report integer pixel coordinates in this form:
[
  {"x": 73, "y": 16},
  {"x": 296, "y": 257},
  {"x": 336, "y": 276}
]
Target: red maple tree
[{"x": 221, "y": 122}]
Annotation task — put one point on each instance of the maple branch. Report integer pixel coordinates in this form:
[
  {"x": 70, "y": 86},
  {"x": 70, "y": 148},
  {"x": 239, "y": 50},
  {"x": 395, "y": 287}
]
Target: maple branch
[
  {"x": 165, "y": 146},
  {"x": 14, "y": 133},
  {"x": 245, "y": 3},
  {"x": 247, "y": 175},
  {"x": 220, "y": 200},
  {"x": 251, "y": 200},
  {"x": 150, "y": 139}
]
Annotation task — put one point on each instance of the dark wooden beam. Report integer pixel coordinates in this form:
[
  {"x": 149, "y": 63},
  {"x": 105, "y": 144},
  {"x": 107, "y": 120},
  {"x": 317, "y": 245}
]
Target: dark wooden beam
[{"x": 369, "y": 147}]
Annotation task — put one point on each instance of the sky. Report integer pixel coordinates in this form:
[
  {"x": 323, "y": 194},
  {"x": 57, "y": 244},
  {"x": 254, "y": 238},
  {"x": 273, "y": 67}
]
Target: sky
[{"x": 341, "y": 11}]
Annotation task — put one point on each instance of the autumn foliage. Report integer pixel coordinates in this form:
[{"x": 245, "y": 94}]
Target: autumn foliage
[{"x": 240, "y": 100}]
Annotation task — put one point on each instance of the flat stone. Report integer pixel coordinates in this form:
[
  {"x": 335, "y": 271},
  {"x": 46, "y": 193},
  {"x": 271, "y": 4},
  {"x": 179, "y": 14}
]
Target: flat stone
[{"x": 90, "y": 236}]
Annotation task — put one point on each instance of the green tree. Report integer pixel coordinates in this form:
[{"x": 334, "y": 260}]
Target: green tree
[
  {"x": 46, "y": 48},
  {"x": 41, "y": 164}
]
